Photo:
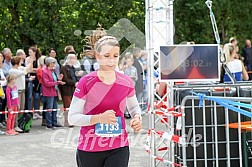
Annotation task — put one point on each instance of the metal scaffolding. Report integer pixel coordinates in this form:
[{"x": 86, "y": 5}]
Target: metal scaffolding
[{"x": 159, "y": 29}]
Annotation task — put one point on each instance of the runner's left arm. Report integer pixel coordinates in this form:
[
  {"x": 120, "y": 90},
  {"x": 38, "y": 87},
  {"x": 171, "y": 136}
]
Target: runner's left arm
[{"x": 133, "y": 106}]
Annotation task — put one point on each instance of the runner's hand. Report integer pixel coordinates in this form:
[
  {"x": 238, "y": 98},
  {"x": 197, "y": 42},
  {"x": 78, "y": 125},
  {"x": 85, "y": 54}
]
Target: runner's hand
[
  {"x": 108, "y": 117},
  {"x": 136, "y": 124}
]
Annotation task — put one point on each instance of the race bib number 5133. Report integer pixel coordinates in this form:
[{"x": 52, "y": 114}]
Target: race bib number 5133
[{"x": 109, "y": 130}]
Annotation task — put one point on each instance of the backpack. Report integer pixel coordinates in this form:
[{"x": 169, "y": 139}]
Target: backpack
[{"x": 25, "y": 121}]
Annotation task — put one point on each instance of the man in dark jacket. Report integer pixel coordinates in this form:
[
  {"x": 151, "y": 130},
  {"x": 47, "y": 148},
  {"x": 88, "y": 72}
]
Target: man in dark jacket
[
  {"x": 139, "y": 66},
  {"x": 70, "y": 79},
  {"x": 247, "y": 54}
]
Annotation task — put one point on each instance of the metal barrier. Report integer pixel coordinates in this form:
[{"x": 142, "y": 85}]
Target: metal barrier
[{"x": 211, "y": 140}]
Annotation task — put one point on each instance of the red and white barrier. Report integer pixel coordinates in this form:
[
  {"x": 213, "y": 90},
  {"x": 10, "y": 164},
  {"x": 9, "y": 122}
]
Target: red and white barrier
[
  {"x": 28, "y": 111},
  {"x": 164, "y": 112},
  {"x": 167, "y": 136}
]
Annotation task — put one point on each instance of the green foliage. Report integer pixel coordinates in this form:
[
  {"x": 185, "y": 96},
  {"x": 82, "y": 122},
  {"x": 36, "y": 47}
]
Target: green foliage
[
  {"x": 192, "y": 21},
  {"x": 51, "y": 23}
]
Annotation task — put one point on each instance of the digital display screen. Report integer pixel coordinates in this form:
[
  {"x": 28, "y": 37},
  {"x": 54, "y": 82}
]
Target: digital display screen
[{"x": 189, "y": 63}]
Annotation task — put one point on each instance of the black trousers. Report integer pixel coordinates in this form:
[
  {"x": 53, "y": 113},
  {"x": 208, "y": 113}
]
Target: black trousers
[{"x": 112, "y": 158}]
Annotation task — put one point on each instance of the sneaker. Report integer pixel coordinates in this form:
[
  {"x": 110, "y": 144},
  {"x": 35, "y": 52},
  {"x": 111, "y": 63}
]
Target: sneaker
[
  {"x": 2, "y": 125},
  {"x": 2, "y": 133},
  {"x": 59, "y": 115},
  {"x": 17, "y": 129},
  {"x": 58, "y": 125},
  {"x": 50, "y": 127},
  {"x": 43, "y": 122},
  {"x": 37, "y": 116},
  {"x": 10, "y": 132},
  {"x": 14, "y": 132},
  {"x": 68, "y": 125},
  {"x": 34, "y": 117}
]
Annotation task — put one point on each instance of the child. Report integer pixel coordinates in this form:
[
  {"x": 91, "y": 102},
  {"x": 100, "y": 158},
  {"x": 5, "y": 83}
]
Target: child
[
  {"x": 130, "y": 70},
  {"x": 12, "y": 103}
]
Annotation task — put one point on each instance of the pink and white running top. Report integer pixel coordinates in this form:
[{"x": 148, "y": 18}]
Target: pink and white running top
[{"x": 98, "y": 97}]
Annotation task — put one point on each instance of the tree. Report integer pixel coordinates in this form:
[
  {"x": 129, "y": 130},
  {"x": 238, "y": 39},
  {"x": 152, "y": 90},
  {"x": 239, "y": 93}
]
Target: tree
[
  {"x": 52, "y": 23},
  {"x": 192, "y": 21}
]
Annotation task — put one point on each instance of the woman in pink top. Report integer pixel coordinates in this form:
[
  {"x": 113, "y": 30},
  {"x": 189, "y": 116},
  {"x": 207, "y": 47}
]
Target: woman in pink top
[
  {"x": 12, "y": 103},
  {"x": 50, "y": 82},
  {"x": 98, "y": 106}
]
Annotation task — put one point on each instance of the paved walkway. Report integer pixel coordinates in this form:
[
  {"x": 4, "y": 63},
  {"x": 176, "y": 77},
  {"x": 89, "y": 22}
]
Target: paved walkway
[{"x": 56, "y": 148}]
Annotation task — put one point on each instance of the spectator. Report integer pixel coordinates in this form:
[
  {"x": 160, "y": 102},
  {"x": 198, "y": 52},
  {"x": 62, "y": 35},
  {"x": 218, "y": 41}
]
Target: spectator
[
  {"x": 49, "y": 91},
  {"x": 34, "y": 86},
  {"x": 235, "y": 66},
  {"x": 237, "y": 55},
  {"x": 20, "y": 73},
  {"x": 39, "y": 75},
  {"x": 7, "y": 61},
  {"x": 41, "y": 68},
  {"x": 1, "y": 55},
  {"x": 233, "y": 41},
  {"x": 2, "y": 99},
  {"x": 52, "y": 53},
  {"x": 70, "y": 79},
  {"x": 68, "y": 49},
  {"x": 145, "y": 81},
  {"x": 122, "y": 64},
  {"x": 130, "y": 70},
  {"x": 22, "y": 55},
  {"x": 13, "y": 102},
  {"x": 247, "y": 54},
  {"x": 139, "y": 66},
  {"x": 89, "y": 63}
]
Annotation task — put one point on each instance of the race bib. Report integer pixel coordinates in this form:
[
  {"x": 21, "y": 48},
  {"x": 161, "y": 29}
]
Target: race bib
[
  {"x": 109, "y": 130},
  {"x": 14, "y": 94}
]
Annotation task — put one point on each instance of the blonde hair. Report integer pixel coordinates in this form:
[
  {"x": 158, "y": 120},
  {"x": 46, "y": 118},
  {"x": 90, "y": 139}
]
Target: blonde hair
[
  {"x": 128, "y": 54},
  {"x": 68, "y": 48},
  {"x": 228, "y": 50},
  {"x": 92, "y": 39},
  {"x": 20, "y": 52},
  {"x": 232, "y": 39},
  {"x": 10, "y": 78},
  {"x": 106, "y": 40},
  {"x": 130, "y": 58},
  {"x": 41, "y": 60}
]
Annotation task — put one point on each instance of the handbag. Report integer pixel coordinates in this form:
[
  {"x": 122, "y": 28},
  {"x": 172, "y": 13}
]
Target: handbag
[{"x": 1, "y": 92}]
